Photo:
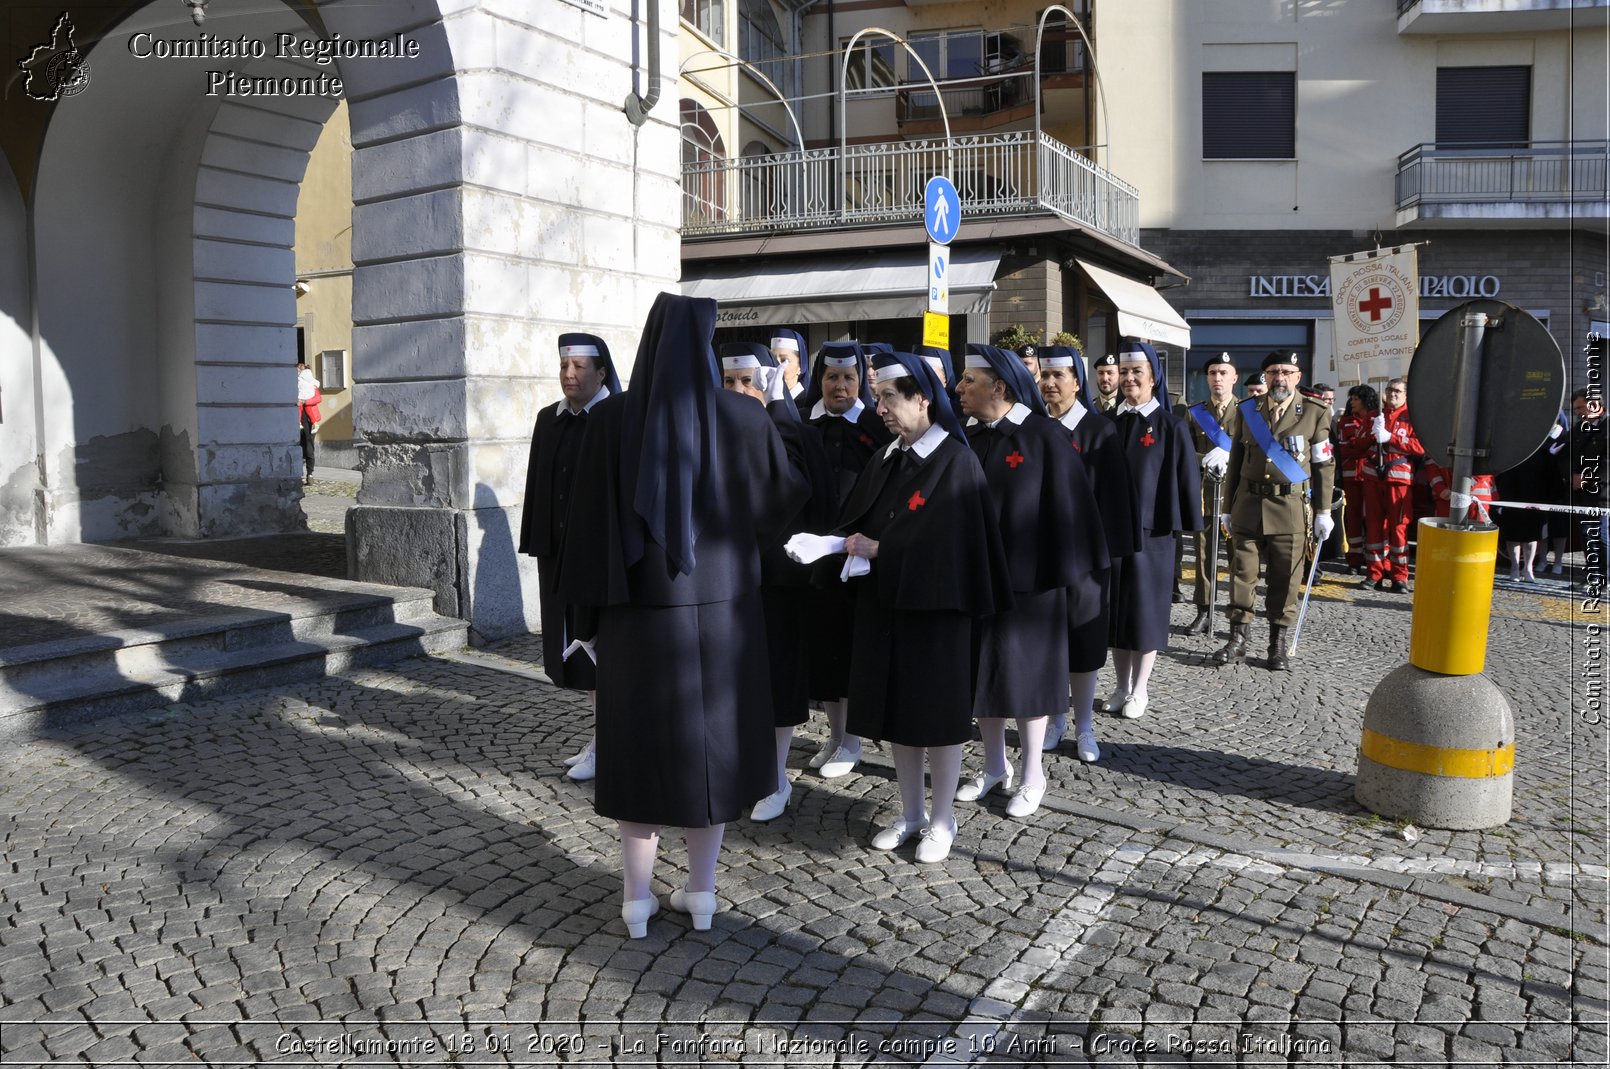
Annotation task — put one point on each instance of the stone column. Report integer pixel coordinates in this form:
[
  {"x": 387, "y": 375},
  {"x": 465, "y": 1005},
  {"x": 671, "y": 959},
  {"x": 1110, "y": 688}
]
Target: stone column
[{"x": 495, "y": 208}]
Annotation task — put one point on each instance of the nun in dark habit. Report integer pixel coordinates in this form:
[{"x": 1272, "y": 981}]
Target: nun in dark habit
[
  {"x": 788, "y": 352},
  {"x": 586, "y": 378},
  {"x": 1066, "y": 390},
  {"x": 921, "y": 514},
  {"x": 1051, "y": 533},
  {"x": 1163, "y": 472},
  {"x": 681, "y": 487},
  {"x": 839, "y": 405},
  {"x": 749, "y": 368}
]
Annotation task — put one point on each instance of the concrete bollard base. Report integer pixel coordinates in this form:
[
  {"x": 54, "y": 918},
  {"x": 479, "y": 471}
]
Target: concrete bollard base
[{"x": 1437, "y": 750}]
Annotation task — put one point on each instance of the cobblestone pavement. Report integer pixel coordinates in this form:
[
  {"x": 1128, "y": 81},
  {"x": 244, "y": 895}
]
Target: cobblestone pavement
[{"x": 387, "y": 867}]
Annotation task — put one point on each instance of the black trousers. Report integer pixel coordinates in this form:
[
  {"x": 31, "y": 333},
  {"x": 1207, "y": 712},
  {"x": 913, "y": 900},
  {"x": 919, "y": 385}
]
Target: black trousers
[{"x": 307, "y": 442}]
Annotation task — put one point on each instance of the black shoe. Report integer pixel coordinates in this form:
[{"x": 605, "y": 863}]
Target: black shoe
[
  {"x": 1398, "y": 586},
  {"x": 1278, "y": 657},
  {"x": 1380, "y": 584},
  {"x": 1235, "y": 650},
  {"x": 1202, "y": 625},
  {"x": 1178, "y": 598}
]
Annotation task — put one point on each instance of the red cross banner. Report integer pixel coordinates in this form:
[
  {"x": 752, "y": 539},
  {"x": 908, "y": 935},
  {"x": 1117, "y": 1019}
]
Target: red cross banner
[{"x": 1376, "y": 298}]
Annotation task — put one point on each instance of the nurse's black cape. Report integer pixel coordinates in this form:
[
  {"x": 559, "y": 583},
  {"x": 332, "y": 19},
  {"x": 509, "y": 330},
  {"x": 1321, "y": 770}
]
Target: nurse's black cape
[
  {"x": 1095, "y": 439},
  {"x": 1163, "y": 470},
  {"x": 939, "y": 549},
  {"x": 1049, "y": 522}
]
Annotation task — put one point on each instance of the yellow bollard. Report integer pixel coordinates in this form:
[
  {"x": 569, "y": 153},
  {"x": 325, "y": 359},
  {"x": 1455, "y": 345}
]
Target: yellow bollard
[{"x": 1453, "y": 597}]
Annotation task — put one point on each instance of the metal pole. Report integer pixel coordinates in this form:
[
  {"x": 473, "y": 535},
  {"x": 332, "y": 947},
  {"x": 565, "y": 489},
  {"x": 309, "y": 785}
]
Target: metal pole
[{"x": 1467, "y": 400}]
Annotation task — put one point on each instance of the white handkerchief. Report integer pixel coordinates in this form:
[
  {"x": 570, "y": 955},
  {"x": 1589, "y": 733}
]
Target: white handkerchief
[
  {"x": 578, "y": 644},
  {"x": 809, "y": 548},
  {"x": 854, "y": 566}
]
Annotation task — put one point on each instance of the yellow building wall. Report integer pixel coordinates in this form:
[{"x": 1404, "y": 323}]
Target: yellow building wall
[{"x": 324, "y": 263}]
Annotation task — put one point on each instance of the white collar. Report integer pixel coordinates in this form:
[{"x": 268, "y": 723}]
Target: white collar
[
  {"x": 1014, "y": 415},
  {"x": 795, "y": 390},
  {"x": 1146, "y": 409},
  {"x": 564, "y": 403},
  {"x": 853, "y": 413},
  {"x": 923, "y": 446},
  {"x": 1070, "y": 419}
]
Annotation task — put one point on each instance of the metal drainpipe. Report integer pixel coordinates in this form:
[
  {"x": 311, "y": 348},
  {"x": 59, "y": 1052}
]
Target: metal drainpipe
[{"x": 638, "y": 107}]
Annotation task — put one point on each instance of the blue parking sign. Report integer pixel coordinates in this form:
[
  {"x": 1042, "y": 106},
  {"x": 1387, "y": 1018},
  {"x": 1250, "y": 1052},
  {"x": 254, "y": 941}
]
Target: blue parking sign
[{"x": 941, "y": 209}]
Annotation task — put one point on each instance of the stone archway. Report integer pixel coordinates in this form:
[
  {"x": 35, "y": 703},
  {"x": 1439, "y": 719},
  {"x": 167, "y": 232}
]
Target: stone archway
[{"x": 164, "y": 218}]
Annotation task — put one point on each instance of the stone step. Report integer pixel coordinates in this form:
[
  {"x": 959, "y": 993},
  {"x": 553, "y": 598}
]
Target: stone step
[
  {"x": 210, "y": 672},
  {"x": 249, "y": 628}
]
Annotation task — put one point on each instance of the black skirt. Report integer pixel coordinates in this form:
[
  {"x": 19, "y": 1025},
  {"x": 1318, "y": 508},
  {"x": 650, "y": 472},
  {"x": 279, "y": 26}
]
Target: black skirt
[
  {"x": 558, "y": 628},
  {"x": 1021, "y": 655},
  {"x": 830, "y": 611},
  {"x": 1142, "y": 584},
  {"x": 684, "y": 731},
  {"x": 786, "y": 641},
  {"x": 1089, "y": 621},
  {"x": 911, "y": 681}
]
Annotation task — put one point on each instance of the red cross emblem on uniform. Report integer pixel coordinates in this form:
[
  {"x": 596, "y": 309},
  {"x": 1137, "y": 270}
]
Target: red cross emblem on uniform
[
  {"x": 866, "y": 439},
  {"x": 1013, "y": 459},
  {"x": 1076, "y": 448},
  {"x": 1375, "y": 305},
  {"x": 916, "y": 501},
  {"x": 1147, "y": 439}
]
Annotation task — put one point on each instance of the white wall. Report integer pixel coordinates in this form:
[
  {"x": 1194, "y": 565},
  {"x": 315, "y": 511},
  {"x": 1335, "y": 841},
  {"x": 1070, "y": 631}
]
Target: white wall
[
  {"x": 1365, "y": 94},
  {"x": 19, "y": 472}
]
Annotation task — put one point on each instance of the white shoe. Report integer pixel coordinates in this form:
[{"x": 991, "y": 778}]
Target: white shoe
[
  {"x": 1054, "y": 732},
  {"x": 982, "y": 784},
  {"x": 891, "y": 837},
  {"x": 1086, "y": 747},
  {"x": 1114, "y": 703},
  {"x": 585, "y": 769},
  {"x": 842, "y": 763},
  {"x": 581, "y": 754},
  {"x": 636, "y": 913},
  {"x": 700, "y": 905},
  {"x": 825, "y": 753},
  {"x": 1134, "y": 708},
  {"x": 771, "y": 807},
  {"x": 1025, "y": 801},
  {"x": 935, "y": 844}
]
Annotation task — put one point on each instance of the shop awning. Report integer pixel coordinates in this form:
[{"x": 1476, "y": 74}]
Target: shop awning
[
  {"x": 838, "y": 289},
  {"x": 1142, "y": 312}
]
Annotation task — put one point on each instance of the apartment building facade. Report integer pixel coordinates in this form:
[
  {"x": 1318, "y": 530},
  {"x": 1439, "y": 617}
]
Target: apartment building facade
[
  {"x": 817, "y": 223},
  {"x": 1266, "y": 137}
]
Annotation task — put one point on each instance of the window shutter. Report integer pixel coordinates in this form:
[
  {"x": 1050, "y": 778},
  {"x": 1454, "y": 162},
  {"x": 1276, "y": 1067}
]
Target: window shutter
[
  {"x": 1249, "y": 115},
  {"x": 1487, "y": 107}
]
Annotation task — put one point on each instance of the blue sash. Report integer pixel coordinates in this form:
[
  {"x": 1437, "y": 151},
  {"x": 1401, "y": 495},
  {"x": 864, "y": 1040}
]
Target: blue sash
[
  {"x": 1210, "y": 426},
  {"x": 1283, "y": 461}
]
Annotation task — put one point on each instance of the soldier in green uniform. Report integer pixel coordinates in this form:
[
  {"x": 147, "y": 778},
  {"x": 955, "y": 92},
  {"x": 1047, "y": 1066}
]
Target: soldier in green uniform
[
  {"x": 1280, "y": 461},
  {"x": 1213, "y": 424},
  {"x": 1104, "y": 373}
]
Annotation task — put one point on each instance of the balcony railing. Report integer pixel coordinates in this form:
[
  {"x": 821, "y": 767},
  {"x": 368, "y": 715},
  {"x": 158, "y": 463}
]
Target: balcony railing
[
  {"x": 995, "y": 174},
  {"x": 1543, "y": 171}
]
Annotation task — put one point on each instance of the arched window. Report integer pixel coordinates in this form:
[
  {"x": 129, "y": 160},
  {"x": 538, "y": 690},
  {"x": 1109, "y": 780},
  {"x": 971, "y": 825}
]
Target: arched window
[
  {"x": 704, "y": 166},
  {"x": 759, "y": 183},
  {"x": 760, "y": 38}
]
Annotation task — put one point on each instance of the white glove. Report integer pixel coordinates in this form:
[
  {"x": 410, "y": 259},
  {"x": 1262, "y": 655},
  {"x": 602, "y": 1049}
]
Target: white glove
[
  {"x": 1216, "y": 461},
  {"x": 1378, "y": 428},
  {"x": 585, "y": 647},
  {"x": 1556, "y": 430},
  {"x": 809, "y": 548},
  {"x": 854, "y": 566},
  {"x": 775, "y": 386},
  {"x": 1323, "y": 526},
  {"x": 1224, "y": 520}
]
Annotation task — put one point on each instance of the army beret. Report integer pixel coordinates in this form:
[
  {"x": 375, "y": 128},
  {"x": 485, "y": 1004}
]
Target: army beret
[
  {"x": 1279, "y": 358},
  {"x": 1222, "y": 358},
  {"x": 1110, "y": 360}
]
